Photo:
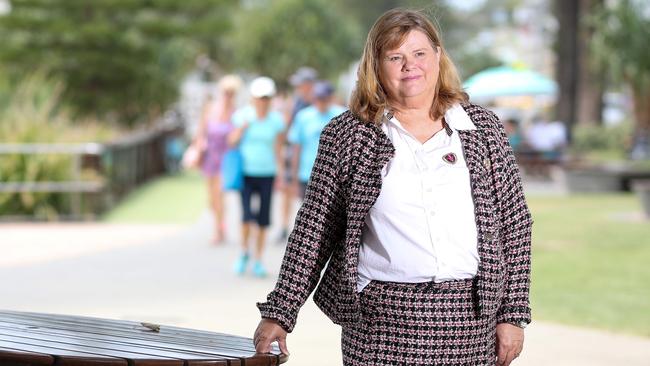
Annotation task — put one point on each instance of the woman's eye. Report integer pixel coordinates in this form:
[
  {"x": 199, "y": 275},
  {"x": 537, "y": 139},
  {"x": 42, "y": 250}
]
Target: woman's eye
[
  {"x": 394, "y": 58},
  {"x": 420, "y": 54}
]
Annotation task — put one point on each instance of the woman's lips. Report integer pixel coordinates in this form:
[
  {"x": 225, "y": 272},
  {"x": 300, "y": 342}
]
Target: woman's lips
[{"x": 411, "y": 78}]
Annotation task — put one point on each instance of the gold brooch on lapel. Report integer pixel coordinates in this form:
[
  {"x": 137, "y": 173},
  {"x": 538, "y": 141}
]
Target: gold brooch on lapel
[{"x": 450, "y": 158}]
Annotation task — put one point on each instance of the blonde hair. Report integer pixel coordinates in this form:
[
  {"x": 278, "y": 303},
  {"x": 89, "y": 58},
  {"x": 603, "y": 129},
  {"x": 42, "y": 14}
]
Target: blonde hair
[
  {"x": 369, "y": 98},
  {"x": 230, "y": 82}
]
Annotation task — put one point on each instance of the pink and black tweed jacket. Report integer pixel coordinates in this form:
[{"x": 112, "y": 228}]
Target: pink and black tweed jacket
[{"x": 346, "y": 181}]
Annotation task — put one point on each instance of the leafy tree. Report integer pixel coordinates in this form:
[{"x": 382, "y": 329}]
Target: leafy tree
[
  {"x": 120, "y": 59},
  {"x": 274, "y": 38},
  {"x": 620, "y": 40},
  {"x": 469, "y": 57},
  {"x": 366, "y": 13}
]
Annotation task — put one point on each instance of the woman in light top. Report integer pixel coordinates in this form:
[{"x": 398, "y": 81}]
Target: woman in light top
[
  {"x": 258, "y": 135},
  {"x": 215, "y": 126},
  {"x": 416, "y": 211}
]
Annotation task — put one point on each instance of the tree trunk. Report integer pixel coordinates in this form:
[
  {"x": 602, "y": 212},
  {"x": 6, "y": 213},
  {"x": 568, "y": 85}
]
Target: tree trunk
[
  {"x": 567, "y": 61},
  {"x": 591, "y": 83},
  {"x": 641, "y": 138}
]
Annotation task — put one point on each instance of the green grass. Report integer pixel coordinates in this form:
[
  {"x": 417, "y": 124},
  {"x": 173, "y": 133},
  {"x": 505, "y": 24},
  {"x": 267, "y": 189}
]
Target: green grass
[
  {"x": 591, "y": 262},
  {"x": 178, "y": 199}
]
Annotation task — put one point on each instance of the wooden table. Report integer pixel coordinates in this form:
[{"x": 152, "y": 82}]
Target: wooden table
[{"x": 47, "y": 339}]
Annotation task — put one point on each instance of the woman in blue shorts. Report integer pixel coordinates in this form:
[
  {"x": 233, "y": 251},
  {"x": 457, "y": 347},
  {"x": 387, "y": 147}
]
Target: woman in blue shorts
[{"x": 258, "y": 134}]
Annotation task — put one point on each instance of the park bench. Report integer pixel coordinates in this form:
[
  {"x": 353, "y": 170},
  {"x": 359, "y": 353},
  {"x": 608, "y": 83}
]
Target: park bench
[
  {"x": 47, "y": 339},
  {"x": 534, "y": 163}
]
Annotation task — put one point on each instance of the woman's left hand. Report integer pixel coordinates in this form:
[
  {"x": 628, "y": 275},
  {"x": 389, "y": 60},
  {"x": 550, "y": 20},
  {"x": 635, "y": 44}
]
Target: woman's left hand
[{"x": 510, "y": 342}]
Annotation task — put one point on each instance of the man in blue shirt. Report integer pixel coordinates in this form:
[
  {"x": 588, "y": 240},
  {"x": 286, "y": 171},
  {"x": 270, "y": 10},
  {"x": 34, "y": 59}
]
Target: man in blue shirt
[
  {"x": 303, "y": 81},
  {"x": 305, "y": 131}
]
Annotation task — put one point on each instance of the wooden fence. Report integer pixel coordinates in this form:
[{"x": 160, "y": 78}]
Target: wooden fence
[{"x": 122, "y": 165}]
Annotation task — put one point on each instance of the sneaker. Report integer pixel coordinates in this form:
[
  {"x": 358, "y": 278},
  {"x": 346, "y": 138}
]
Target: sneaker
[
  {"x": 240, "y": 265},
  {"x": 259, "y": 270}
]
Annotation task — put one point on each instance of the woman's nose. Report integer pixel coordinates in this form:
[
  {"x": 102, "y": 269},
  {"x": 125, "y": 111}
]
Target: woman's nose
[{"x": 409, "y": 62}]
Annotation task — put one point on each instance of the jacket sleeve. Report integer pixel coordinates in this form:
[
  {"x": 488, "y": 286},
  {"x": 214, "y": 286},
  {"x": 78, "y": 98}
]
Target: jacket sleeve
[
  {"x": 319, "y": 225},
  {"x": 516, "y": 228}
]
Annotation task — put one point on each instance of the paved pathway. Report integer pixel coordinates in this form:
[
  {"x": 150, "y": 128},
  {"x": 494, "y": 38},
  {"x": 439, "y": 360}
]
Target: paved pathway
[{"x": 172, "y": 275}]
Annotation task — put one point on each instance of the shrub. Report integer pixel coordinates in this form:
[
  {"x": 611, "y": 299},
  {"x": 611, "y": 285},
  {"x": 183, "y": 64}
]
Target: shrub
[
  {"x": 612, "y": 141},
  {"x": 34, "y": 114}
]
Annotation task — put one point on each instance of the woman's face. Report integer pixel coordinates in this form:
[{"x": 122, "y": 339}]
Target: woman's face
[
  {"x": 262, "y": 105},
  {"x": 412, "y": 69},
  {"x": 229, "y": 96}
]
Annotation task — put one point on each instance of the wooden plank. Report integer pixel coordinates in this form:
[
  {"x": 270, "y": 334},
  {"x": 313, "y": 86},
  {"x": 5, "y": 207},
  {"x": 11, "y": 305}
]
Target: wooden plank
[
  {"x": 153, "y": 338},
  {"x": 139, "y": 350},
  {"x": 209, "y": 363},
  {"x": 89, "y": 148},
  {"x": 59, "y": 187},
  {"x": 131, "y": 329},
  {"x": 197, "y": 347},
  {"x": 84, "y": 361},
  {"x": 215, "y": 351},
  {"x": 71, "y": 353},
  {"x": 261, "y": 360},
  {"x": 58, "y": 355},
  {"x": 17, "y": 357}
]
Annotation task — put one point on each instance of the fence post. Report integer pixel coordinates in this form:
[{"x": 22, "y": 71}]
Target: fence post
[{"x": 75, "y": 197}]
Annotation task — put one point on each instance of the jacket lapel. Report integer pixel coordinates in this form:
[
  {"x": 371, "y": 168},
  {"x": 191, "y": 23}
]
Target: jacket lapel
[{"x": 374, "y": 151}]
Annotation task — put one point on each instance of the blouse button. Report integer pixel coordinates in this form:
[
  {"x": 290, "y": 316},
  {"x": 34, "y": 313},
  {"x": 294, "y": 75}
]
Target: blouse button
[
  {"x": 486, "y": 163},
  {"x": 489, "y": 236}
]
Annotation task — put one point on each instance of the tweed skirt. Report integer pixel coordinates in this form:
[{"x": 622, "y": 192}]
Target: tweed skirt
[{"x": 419, "y": 324}]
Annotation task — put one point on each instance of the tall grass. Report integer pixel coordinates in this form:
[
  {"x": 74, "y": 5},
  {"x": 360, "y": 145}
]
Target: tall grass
[{"x": 33, "y": 113}]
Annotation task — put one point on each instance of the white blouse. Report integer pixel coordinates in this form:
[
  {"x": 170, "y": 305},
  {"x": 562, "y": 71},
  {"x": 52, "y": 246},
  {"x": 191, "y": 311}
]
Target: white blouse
[{"x": 422, "y": 226}]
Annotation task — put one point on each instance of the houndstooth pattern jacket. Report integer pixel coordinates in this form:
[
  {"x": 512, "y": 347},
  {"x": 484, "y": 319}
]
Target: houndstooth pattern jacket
[{"x": 346, "y": 181}]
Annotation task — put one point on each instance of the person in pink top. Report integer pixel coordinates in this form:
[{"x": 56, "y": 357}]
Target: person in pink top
[{"x": 213, "y": 131}]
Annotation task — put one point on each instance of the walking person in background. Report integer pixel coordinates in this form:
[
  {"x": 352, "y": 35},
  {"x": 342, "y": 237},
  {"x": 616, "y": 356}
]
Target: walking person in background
[
  {"x": 258, "y": 134},
  {"x": 511, "y": 125},
  {"x": 547, "y": 137},
  {"x": 416, "y": 208},
  {"x": 303, "y": 81},
  {"x": 212, "y": 134},
  {"x": 305, "y": 130}
]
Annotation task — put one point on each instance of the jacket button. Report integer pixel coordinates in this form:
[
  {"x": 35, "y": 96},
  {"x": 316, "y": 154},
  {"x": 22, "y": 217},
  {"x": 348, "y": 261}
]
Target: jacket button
[
  {"x": 486, "y": 163},
  {"x": 489, "y": 236}
]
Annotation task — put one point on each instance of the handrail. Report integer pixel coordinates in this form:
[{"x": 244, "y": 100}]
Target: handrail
[
  {"x": 90, "y": 148},
  {"x": 120, "y": 165},
  {"x": 76, "y": 187},
  {"x": 51, "y": 187}
]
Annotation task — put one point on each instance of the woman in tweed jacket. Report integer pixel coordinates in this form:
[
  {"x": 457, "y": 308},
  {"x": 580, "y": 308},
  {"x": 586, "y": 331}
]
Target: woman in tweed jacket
[{"x": 416, "y": 211}]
